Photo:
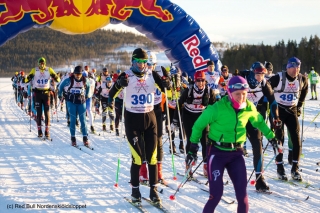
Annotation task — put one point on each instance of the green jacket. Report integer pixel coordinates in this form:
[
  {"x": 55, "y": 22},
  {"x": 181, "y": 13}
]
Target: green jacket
[
  {"x": 228, "y": 126},
  {"x": 313, "y": 77}
]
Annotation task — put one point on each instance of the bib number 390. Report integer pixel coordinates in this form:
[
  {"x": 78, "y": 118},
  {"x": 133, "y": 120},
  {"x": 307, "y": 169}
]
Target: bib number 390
[
  {"x": 141, "y": 99},
  {"x": 287, "y": 97}
]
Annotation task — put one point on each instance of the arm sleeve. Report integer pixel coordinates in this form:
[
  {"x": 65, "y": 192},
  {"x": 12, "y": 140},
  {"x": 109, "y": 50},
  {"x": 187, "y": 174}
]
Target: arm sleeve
[
  {"x": 88, "y": 88},
  {"x": 62, "y": 85},
  {"x": 212, "y": 98},
  {"x": 54, "y": 75},
  {"x": 206, "y": 117},
  {"x": 258, "y": 122},
  {"x": 304, "y": 91},
  {"x": 268, "y": 93},
  {"x": 274, "y": 81},
  {"x": 30, "y": 76},
  {"x": 158, "y": 80},
  {"x": 115, "y": 89}
]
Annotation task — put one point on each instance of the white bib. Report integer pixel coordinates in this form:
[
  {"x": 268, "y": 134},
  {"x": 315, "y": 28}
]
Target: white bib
[
  {"x": 290, "y": 94},
  {"x": 41, "y": 79}
]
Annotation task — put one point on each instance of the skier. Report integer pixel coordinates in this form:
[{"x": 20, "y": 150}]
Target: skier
[
  {"x": 213, "y": 78},
  {"x": 92, "y": 83},
  {"x": 41, "y": 92},
  {"x": 78, "y": 90},
  {"x": 314, "y": 79},
  {"x": 227, "y": 119},
  {"x": 140, "y": 119},
  {"x": 161, "y": 71},
  {"x": 14, "y": 80},
  {"x": 195, "y": 99},
  {"x": 224, "y": 79},
  {"x": 290, "y": 90},
  {"x": 259, "y": 88}
]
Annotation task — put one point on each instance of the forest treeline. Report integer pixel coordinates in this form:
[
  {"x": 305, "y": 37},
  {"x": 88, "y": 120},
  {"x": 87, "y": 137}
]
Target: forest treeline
[
  {"x": 22, "y": 52},
  {"x": 242, "y": 56}
]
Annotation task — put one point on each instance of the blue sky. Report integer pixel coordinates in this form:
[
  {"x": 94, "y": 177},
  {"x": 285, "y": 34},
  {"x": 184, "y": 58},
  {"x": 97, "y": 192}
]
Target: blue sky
[{"x": 252, "y": 21}]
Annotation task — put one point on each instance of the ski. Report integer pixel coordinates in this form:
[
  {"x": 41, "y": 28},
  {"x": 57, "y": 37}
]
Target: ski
[
  {"x": 278, "y": 195},
  {"x": 303, "y": 184},
  {"x": 158, "y": 206},
  {"x": 138, "y": 206},
  {"x": 191, "y": 178},
  {"x": 223, "y": 198},
  {"x": 80, "y": 147}
]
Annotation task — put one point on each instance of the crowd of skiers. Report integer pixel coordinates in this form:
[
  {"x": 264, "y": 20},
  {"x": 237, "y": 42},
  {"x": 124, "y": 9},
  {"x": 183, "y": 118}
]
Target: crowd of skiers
[{"x": 212, "y": 107}]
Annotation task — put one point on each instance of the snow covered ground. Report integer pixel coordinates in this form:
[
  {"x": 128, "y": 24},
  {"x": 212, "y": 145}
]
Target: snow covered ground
[{"x": 50, "y": 173}]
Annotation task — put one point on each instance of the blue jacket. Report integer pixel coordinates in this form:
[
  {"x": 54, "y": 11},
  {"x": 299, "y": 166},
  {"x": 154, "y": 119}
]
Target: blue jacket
[{"x": 76, "y": 98}]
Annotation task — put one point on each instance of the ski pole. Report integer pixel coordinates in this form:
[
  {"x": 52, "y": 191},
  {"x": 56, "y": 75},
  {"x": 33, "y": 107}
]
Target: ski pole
[
  {"x": 172, "y": 197},
  {"x": 121, "y": 128},
  {"x": 262, "y": 154},
  {"x": 170, "y": 140},
  {"x": 312, "y": 121},
  {"x": 193, "y": 171},
  {"x": 302, "y": 124},
  {"x": 181, "y": 129},
  {"x": 30, "y": 108}
]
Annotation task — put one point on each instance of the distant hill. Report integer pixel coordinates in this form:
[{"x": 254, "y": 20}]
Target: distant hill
[{"x": 22, "y": 52}]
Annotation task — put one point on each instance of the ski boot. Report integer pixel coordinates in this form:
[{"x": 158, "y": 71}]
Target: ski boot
[
  {"x": 73, "y": 141},
  {"x": 104, "y": 128},
  {"x": 295, "y": 172},
  {"x": 281, "y": 172},
  {"x": 154, "y": 197},
  {"x": 261, "y": 185},
  {"x": 92, "y": 129},
  {"x": 181, "y": 148},
  {"x": 173, "y": 149},
  {"x": 245, "y": 152},
  {"x": 117, "y": 132},
  {"x": 143, "y": 174},
  {"x": 77, "y": 123},
  {"x": 136, "y": 195},
  {"x": 85, "y": 141},
  {"x": 47, "y": 134},
  {"x": 160, "y": 176},
  {"x": 40, "y": 133},
  {"x": 311, "y": 99},
  {"x": 111, "y": 127}
]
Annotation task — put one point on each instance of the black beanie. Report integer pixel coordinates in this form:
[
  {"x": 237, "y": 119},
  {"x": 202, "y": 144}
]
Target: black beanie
[
  {"x": 269, "y": 66},
  {"x": 77, "y": 70},
  {"x": 210, "y": 63},
  {"x": 139, "y": 53}
]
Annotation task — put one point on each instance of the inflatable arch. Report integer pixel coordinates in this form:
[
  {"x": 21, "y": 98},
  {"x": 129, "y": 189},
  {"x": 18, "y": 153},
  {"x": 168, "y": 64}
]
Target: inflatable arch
[{"x": 165, "y": 23}]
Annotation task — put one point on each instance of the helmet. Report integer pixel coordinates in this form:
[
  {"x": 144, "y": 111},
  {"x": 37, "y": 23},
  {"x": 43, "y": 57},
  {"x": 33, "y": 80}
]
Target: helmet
[
  {"x": 77, "y": 70},
  {"x": 109, "y": 79},
  {"x": 268, "y": 66},
  {"x": 139, "y": 53},
  {"x": 42, "y": 59},
  {"x": 258, "y": 68},
  {"x": 94, "y": 70},
  {"x": 17, "y": 73},
  {"x": 85, "y": 74},
  {"x": 152, "y": 58},
  {"x": 86, "y": 68},
  {"x": 118, "y": 71},
  {"x": 22, "y": 72},
  {"x": 199, "y": 74},
  {"x": 173, "y": 70}
]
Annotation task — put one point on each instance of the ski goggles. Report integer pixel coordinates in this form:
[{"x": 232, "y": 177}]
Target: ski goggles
[
  {"x": 151, "y": 64},
  {"x": 200, "y": 80},
  {"x": 239, "y": 86},
  {"x": 140, "y": 61},
  {"x": 293, "y": 64}
]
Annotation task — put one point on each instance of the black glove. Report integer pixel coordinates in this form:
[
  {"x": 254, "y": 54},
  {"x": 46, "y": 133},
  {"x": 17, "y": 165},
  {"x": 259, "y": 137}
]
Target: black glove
[
  {"x": 165, "y": 82},
  {"x": 298, "y": 111},
  {"x": 192, "y": 154},
  {"x": 277, "y": 147},
  {"x": 278, "y": 131},
  {"x": 123, "y": 81},
  {"x": 223, "y": 84}
]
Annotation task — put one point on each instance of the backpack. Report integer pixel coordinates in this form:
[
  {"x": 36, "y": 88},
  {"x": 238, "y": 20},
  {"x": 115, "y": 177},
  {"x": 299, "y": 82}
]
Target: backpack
[
  {"x": 72, "y": 82},
  {"x": 205, "y": 96},
  {"x": 284, "y": 82}
]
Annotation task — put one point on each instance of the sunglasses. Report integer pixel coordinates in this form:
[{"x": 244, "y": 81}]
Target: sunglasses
[
  {"x": 200, "y": 80},
  {"x": 149, "y": 64},
  {"x": 224, "y": 70},
  {"x": 239, "y": 86},
  {"x": 140, "y": 61}
]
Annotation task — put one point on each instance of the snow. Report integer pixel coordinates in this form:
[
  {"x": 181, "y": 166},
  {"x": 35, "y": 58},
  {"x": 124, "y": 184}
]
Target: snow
[{"x": 36, "y": 172}]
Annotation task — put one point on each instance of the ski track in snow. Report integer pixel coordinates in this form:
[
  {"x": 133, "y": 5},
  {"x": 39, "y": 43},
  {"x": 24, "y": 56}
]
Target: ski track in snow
[{"x": 33, "y": 171}]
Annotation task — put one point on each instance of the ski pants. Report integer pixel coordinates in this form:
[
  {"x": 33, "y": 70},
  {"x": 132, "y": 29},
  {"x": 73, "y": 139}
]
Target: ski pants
[
  {"x": 141, "y": 132},
  {"x": 79, "y": 109},
  {"x": 42, "y": 98},
  {"x": 233, "y": 161},
  {"x": 158, "y": 113},
  {"x": 89, "y": 110},
  {"x": 314, "y": 90},
  {"x": 289, "y": 117},
  {"x": 118, "y": 109},
  {"x": 189, "y": 119},
  {"x": 255, "y": 137},
  {"x": 106, "y": 109}
]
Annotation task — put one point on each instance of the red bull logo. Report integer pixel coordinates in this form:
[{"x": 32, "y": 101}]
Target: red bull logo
[
  {"x": 191, "y": 45},
  {"x": 70, "y": 15}
]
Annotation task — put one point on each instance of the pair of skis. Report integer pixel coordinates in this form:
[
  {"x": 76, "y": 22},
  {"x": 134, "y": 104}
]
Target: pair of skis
[{"x": 143, "y": 209}]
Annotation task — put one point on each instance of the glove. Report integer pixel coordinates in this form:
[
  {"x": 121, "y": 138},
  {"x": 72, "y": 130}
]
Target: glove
[
  {"x": 173, "y": 127},
  {"x": 123, "y": 81},
  {"x": 165, "y": 82},
  {"x": 298, "y": 111},
  {"x": 60, "y": 98},
  {"x": 218, "y": 97},
  {"x": 276, "y": 145},
  {"x": 278, "y": 131},
  {"x": 223, "y": 84},
  {"x": 192, "y": 154}
]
